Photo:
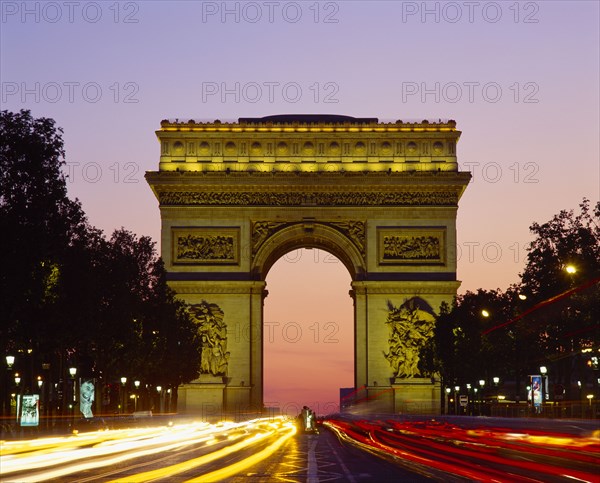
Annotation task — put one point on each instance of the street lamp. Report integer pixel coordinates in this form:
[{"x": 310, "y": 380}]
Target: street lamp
[
  {"x": 158, "y": 390},
  {"x": 137, "y": 394},
  {"x": 456, "y": 389},
  {"x": 40, "y": 382},
  {"x": 72, "y": 372},
  {"x": 496, "y": 380},
  {"x": 123, "y": 401},
  {"x": 545, "y": 395},
  {"x": 17, "y": 378},
  {"x": 571, "y": 269},
  {"x": 448, "y": 391},
  {"x": 5, "y": 403},
  {"x": 485, "y": 313},
  {"x": 482, "y": 384}
]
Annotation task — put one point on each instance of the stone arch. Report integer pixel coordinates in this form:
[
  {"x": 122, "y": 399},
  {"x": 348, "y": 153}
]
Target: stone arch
[{"x": 308, "y": 235}]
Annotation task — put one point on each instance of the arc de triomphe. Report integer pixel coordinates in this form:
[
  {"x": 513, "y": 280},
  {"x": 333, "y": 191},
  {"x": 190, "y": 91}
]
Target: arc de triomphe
[{"x": 381, "y": 197}]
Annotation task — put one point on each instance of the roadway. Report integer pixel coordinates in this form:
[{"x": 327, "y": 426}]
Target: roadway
[{"x": 349, "y": 448}]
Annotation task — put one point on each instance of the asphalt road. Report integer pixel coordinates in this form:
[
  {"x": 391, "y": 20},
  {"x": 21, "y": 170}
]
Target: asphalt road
[
  {"x": 352, "y": 449},
  {"x": 322, "y": 458}
]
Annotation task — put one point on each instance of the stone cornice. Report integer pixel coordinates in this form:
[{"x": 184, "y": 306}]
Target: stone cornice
[
  {"x": 217, "y": 287},
  {"x": 305, "y": 127},
  {"x": 405, "y": 288},
  {"x": 359, "y": 178}
]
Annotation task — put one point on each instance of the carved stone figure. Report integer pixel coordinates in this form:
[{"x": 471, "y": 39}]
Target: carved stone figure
[
  {"x": 86, "y": 391},
  {"x": 411, "y": 325},
  {"x": 261, "y": 230},
  {"x": 213, "y": 335}
]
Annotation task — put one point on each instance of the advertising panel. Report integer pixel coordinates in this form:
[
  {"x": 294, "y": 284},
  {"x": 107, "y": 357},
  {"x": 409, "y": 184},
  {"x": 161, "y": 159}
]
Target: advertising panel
[
  {"x": 30, "y": 412},
  {"x": 86, "y": 397},
  {"x": 536, "y": 390}
]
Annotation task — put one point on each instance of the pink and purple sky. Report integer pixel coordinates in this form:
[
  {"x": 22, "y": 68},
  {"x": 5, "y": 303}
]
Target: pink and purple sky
[{"x": 520, "y": 78}]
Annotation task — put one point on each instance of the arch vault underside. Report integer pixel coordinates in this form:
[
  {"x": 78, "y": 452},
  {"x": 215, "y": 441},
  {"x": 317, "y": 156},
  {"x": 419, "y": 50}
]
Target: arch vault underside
[{"x": 382, "y": 198}]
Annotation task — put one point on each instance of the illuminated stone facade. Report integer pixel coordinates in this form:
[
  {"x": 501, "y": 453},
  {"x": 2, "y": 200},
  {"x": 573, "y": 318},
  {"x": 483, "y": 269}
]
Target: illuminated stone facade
[{"x": 382, "y": 197}]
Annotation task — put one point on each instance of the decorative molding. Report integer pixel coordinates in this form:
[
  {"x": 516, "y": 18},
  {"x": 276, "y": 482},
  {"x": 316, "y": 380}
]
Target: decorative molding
[
  {"x": 262, "y": 230},
  {"x": 206, "y": 245},
  {"x": 323, "y": 123},
  {"x": 411, "y": 245},
  {"x": 308, "y": 198},
  {"x": 202, "y": 287},
  {"x": 353, "y": 230},
  {"x": 407, "y": 288}
]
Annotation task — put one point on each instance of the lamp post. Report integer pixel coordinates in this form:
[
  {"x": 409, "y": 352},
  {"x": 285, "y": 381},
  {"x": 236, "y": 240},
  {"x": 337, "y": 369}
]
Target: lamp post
[
  {"x": 448, "y": 391},
  {"x": 456, "y": 389},
  {"x": 482, "y": 384},
  {"x": 6, "y": 398},
  {"x": 469, "y": 408},
  {"x": 73, "y": 372},
  {"x": 137, "y": 394},
  {"x": 543, "y": 372},
  {"x": 159, "y": 391},
  {"x": 496, "y": 381},
  {"x": 17, "y": 391},
  {"x": 123, "y": 395}
]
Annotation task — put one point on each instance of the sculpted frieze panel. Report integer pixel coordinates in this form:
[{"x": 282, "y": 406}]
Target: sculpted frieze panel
[
  {"x": 315, "y": 198},
  {"x": 409, "y": 245},
  {"x": 205, "y": 245}
]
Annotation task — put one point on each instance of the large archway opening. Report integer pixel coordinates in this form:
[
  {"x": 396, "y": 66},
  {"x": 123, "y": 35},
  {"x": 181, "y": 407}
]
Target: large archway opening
[{"x": 308, "y": 332}]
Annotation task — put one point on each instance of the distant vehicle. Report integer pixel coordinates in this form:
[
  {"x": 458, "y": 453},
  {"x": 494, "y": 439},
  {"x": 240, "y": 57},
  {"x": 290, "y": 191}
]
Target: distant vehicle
[{"x": 307, "y": 421}]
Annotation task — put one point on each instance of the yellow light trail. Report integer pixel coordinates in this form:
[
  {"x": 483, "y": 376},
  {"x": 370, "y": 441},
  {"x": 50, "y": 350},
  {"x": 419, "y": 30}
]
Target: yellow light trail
[
  {"x": 56, "y": 457},
  {"x": 247, "y": 462},
  {"x": 105, "y": 443},
  {"x": 169, "y": 471}
]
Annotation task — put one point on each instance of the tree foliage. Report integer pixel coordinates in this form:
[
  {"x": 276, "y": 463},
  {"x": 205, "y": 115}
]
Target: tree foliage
[
  {"x": 37, "y": 220},
  {"x": 550, "y": 318},
  {"x": 69, "y": 295}
]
